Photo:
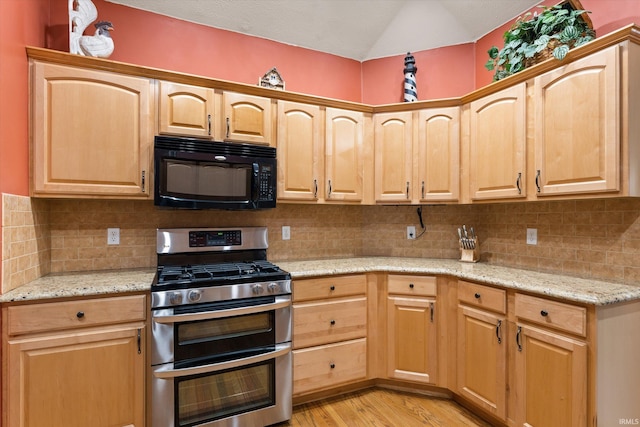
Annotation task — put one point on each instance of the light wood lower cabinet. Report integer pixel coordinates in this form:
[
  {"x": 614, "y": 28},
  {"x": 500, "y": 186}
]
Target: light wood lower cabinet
[
  {"x": 329, "y": 332},
  {"x": 411, "y": 328},
  {"x": 65, "y": 364}
]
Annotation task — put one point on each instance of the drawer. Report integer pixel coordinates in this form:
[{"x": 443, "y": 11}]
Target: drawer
[
  {"x": 411, "y": 285},
  {"x": 329, "y": 287},
  {"x": 482, "y": 296},
  {"x": 329, "y": 321},
  {"x": 328, "y": 365},
  {"x": 566, "y": 317},
  {"x": 23, "y": 319}
]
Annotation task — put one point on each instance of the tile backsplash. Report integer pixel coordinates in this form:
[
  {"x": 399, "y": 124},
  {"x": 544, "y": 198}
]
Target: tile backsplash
[{"x": 597, "y": 239}]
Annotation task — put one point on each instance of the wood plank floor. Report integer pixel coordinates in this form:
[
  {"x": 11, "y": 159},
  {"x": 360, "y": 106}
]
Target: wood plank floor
[{"x": 377, "y": 407}]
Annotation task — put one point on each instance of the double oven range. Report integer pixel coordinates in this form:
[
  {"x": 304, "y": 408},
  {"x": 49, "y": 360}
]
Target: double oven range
[{"x": 221, "y": 330}]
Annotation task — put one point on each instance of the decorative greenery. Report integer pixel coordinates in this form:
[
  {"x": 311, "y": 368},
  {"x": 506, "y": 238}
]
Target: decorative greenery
[{"x": 554, "y": 28}]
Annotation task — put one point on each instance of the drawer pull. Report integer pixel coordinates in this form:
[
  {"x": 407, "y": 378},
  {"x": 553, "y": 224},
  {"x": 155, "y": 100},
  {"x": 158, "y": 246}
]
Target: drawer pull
[
  {"x": 80, "y": 314},
  {"x": 518, "y": 334},
  {"x": 332, "y": 365},
  {"x": 544, "y": 313},
  {"x": 477, "y": 295},
  {"x": 332, "y": 288},
  {"x": 333, "y": 322},
  {"x": 411, "y": 285}
]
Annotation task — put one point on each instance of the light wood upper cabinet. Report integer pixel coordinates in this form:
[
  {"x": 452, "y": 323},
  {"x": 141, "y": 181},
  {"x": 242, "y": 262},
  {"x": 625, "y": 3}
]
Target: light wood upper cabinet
[
  {"x": 393, "y": 136},
  {"x": 344, "y": 139},
  {"x": 92, "y": 133},
  {"x": 247, "y": 118},
  {"x": 438, "y": 154},
  {"x": 300, "y": 151},
  {"x": 497, "y": 145},
  {"x": 185, "y": 110},
  {"x": 577, "y": 132}
]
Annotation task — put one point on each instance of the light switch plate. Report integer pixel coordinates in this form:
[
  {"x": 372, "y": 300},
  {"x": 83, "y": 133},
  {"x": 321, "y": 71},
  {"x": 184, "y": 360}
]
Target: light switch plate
[
  {"x": 532, "y": 236},
  {"x": 286, "y": 232}
]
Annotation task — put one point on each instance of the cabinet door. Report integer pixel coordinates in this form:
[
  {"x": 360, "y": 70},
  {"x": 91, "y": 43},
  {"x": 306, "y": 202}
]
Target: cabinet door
[
  {"x": 497, "y": 145},
  {"x": 411, "y": 339},
  {"x": 185, "y": 110},
  {"x": 299, "y": 151},
  {"x": 92, "y": 133},
  {"x": 577, "y": 136},
  {"x": 551, "y": 379},
  {"x": 78, "y": 379},
  {"x": 482, "y": 356},
  {"x": 438, "y": 151},
  {"x": 393, "y": 156},
  {"x": 344, "y": 164},
  {"x": 247, "y": 118}
]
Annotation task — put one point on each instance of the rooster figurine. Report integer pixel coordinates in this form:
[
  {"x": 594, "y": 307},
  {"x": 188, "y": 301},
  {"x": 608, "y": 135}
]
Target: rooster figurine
[
  {"x": 81, "y": 14},
  {"x": 100, "y": 45}
]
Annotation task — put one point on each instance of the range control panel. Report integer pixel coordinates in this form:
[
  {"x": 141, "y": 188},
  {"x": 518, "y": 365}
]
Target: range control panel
[{"x": 202, "y": 239}]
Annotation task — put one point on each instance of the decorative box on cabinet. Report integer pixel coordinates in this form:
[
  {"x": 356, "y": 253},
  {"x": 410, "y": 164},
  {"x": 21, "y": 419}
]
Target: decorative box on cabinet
[
  {"x": 76, "y": 362},
  {"x": 482, "y": 346},
  {"x": 92, "y": 133},
  {"x": 412, "y": 350},
  {"x": 329, "y": 332},
  {"x": 185, "y": 110},
  {"x": 247, "y": 118}
]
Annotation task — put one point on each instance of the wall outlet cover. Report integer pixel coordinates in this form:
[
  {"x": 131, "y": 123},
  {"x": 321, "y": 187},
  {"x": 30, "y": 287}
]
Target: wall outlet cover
[
  {"x": 532, "y": 236},
  {"x": 113, "y": 236},
  {"x": 286, "y": 232},
  {"x": 411, "y": 232}
]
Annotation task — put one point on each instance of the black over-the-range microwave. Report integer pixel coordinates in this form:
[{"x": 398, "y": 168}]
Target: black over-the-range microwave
[{"x": 195, "y": 174}]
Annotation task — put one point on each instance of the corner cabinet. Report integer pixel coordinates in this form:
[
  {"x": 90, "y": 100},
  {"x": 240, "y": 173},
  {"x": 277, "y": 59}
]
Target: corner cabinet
[
  {"x": 92, "y": 133},
  {"x": 185, "y": 110},
  {"x": 247, "y": 118},
  {"x": 577, "y": 132},
  {"x": 75, "y": 363},
  {"x": 497, "y": 145},
  {"x": 344, "y": 160},
  {"x": 393, "y": 154}
]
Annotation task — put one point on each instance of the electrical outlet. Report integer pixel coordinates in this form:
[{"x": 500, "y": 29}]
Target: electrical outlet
[
  {"x": 411, "y": 232},
  {"x": 113, "y": 236},
  {"x": 532, "y": 236},
  {"x": 286, "y": 232}
]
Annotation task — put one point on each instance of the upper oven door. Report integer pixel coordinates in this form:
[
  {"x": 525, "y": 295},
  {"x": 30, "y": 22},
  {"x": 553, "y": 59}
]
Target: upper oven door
[
  {"x": 215, "y": 332},
  {"x": 205, "y": 175}
]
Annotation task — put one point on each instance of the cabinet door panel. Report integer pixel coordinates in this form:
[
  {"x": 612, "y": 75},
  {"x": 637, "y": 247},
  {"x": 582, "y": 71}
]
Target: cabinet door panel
[
  {"x": 439, "y": 154},
  {"x": 248, "y": 118},
  {"x": 393, "y": 157},
  {"x": 498, "y": 145},
  {"x": 577, "y": 126},
  {"x": 185, "y": 110},
  {"x": 344, "y": 165}
]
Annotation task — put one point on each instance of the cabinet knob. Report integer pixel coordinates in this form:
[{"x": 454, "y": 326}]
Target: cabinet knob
[
  {"x": 333, "y": 288},
  {"x": 544, "y": 313},
  {"x": 332, "y": 365},
  {"x": 477, "y": 295},
  {"x": 333, "y": 322},
  {"x": 80, "y": 314},
  {"x": 411, "y": 285}
]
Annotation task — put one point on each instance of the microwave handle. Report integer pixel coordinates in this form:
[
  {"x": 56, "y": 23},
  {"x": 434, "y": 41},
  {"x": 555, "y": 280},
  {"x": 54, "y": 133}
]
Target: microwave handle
[{"x": 255, "y": 190}]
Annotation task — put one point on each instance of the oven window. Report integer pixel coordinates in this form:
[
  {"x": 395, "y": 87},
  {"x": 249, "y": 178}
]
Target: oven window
[
  {"x": 207, "y": 180},
  {"x": 226, "y": 328},
  {"x": 222, "y": 394}
]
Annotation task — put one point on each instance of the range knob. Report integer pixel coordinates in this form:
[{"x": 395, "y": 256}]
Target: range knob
[
  {"x": 257, "y": 289},
  {"x": 273, "y": 287},
  {"x": 175, "y": 298},
  {"x": 194, "y": 296}
]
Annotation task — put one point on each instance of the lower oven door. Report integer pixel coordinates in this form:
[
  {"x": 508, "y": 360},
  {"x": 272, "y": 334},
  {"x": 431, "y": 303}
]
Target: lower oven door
[{"x": 249, "y": 391}]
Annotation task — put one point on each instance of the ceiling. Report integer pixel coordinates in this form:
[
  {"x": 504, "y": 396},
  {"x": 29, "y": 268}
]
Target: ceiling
[{"x": 356, "y": 29}]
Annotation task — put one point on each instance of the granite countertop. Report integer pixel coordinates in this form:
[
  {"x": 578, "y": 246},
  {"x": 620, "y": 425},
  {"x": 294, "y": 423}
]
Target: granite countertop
[{"x": 564, "y": 287}]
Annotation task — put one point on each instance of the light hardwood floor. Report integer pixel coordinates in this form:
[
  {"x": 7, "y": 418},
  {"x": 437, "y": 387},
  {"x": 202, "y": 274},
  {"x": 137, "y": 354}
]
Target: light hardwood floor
[{"x": 377, "y": 407}]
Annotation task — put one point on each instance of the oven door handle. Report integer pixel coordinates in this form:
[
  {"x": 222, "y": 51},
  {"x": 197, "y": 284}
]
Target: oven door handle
[
  {"x": 168, "y": 373},
  {"x": 190, "y": 317}
]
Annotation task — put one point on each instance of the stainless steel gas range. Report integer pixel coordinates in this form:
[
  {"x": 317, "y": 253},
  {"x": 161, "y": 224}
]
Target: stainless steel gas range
[{"x": 221, "y": 330}]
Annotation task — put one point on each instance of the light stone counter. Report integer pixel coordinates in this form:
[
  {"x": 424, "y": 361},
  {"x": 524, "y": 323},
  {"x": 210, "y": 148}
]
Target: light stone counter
[{"x": 563, "y": 287}]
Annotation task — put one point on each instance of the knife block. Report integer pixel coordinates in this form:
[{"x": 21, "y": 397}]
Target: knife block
[{"x": 470, "y": 255}]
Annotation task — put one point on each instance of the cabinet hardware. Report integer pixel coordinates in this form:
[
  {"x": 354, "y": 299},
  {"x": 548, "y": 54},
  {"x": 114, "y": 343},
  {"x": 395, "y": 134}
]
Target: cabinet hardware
[
  {"x": 332, "y": 322},
  {"x": 139, "y": 340},
  {"x": 80, "y": 314},
  {"x": 518, "y": 335},
  {"x": 407, "y": 189},
  {"x": 209, "y": 124},
  {"x": 228, "y": 126},
  {"x": 538, "y": 181},
  {"x": 499, "y": 331},
  {"x": 411, "y": 285},
  {"x": 477, "y": 295},
  {"x": 143, "y": 179},
  {"x": 544, "y": 313},
  {"x": 423, "y": 189},
  {"x": 329, "y": 194},
  {"x": 332, "y": 365},
  {"x": 431, "y": 309},
  {"x": 315, "y": 188},
  {"x": 518, "y": 182},
  {"x": 332, "y": 288}
]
